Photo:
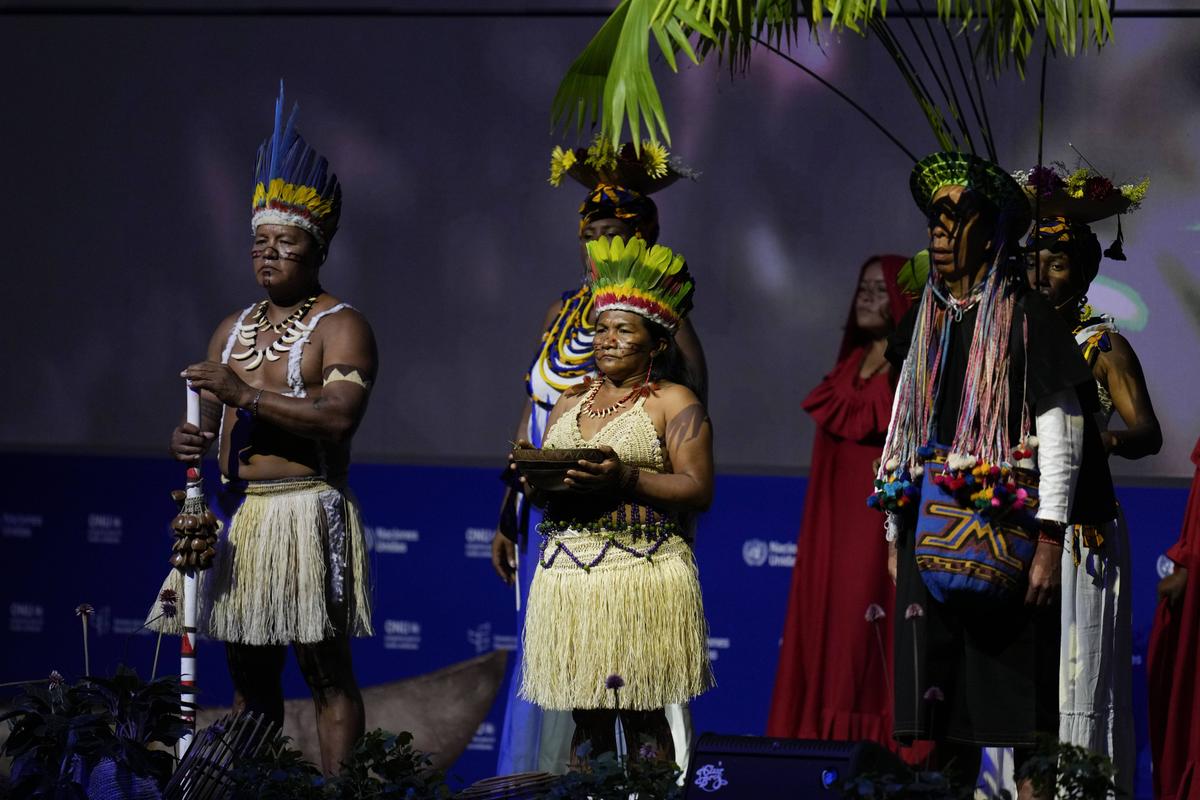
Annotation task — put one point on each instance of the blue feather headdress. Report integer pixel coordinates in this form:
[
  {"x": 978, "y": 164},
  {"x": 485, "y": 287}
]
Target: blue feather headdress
[{"x": 293, "y": 184}]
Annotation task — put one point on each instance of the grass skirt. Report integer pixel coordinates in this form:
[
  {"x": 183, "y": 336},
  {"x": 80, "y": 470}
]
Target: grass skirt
[
  {"x": 640, "y": 618},
  {"x": 291, "y": 567}
]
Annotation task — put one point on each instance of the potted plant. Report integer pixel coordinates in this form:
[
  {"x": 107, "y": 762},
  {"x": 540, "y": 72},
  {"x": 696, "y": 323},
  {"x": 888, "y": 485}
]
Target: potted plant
[
  {"x": 57, "y": 735},
  {"x": 98, "y": 733},
  {"x": 140, "y": 715}
]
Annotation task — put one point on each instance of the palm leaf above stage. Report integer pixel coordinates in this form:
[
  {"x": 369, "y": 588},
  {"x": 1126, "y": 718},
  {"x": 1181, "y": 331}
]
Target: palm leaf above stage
[{"x": 611, "y": 82}]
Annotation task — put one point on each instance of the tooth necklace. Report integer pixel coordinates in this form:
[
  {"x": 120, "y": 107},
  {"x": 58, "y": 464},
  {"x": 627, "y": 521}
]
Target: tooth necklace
[{"x": 290, "y": 331}]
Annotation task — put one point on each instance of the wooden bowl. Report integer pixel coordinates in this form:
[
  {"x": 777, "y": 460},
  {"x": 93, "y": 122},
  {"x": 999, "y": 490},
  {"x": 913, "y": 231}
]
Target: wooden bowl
[{"x": 545, "y": 469}]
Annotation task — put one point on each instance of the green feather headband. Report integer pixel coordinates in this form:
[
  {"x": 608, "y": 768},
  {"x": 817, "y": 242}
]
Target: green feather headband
[
  {"x": 631, "y": 276},
  {"x": 963, "y": 169}
]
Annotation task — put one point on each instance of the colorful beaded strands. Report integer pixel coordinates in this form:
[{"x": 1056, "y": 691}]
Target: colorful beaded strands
[
  {"x": 980, "y": 456},
  {"x": 293, "y": 184},
  {"x": 566, "y": 355},
  {"x": 981, "y": 436},
  {"x": 897, "y": 484}
]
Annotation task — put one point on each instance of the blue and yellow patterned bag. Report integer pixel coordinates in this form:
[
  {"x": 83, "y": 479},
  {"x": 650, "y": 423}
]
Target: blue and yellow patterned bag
[{"x": 976, "y": 532}]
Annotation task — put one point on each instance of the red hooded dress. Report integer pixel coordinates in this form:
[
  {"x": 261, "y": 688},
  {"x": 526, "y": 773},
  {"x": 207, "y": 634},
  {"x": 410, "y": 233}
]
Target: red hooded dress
[
  {"x": 833, "y": 681},
  {"x": 1173, "y": 667}
]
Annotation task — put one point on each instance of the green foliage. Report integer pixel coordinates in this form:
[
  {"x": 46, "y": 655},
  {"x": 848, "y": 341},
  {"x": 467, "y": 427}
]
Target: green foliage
[
  {"x": 386, "y": 765},
  {"x": 382, "y": 765},
  {"x": 611, "y": 82},
  {"x": 279, "y": 772},
  {"x": 1080, "y": 773},
  {"x": 914, "y": 786},
  {"x": 1057, "y": 770},
  {"x": 1007, "y": 27},
  {"x": 604, "y": 778},
  {"x": 60, "y": 731}
]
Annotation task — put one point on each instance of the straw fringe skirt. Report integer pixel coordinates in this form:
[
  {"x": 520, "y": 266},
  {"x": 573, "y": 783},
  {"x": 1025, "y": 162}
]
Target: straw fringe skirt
[
  {"x": 642, "y": 619},
  {"x": 292, "y": 568}
]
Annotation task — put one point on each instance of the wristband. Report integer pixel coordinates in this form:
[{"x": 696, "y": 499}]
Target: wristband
[
  {"x": 254, "y": 405},
  {"x": 629, "y": 480},
  {"x": 1052, "y": 532}
]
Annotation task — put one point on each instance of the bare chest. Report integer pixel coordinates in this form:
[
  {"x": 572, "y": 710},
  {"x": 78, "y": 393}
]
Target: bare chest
[{"x": 283, "y": 358}]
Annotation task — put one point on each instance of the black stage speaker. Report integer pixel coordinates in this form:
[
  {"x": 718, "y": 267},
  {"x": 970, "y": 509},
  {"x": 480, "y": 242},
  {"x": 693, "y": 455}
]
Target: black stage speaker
[{"x": 727, "y": 767}]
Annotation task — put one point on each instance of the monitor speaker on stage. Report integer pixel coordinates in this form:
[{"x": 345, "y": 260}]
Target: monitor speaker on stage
[{"x": 762, "y": 768}]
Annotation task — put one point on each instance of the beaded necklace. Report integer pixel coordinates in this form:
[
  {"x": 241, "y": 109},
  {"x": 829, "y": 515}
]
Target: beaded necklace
[
  {"x": 565, "y": 356},
  {"x": 609, "y": 410},
  {"x": 290, "y": 331}
]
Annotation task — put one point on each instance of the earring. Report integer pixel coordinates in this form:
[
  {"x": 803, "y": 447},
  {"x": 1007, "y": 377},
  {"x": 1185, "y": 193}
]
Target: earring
[{"x": 645, "y": 390}]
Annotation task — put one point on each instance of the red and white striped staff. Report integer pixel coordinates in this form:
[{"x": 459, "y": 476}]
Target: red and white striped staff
[
  {"x": 187, "y": 642},
  {"x": 195, "y": 529}
]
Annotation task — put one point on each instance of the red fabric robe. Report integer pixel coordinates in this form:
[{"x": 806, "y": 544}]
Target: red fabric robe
[
  {"x": 1174, "y": 669},
  {"x": 833, "y": 680}
]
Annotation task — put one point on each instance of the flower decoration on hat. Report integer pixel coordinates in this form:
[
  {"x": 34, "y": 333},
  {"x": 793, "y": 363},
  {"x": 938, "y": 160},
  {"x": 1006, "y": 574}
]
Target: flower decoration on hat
[
  {"x": 1083, "y": 195},
  {"x": 293, "y": 184},
  {"x": 602, "y": 164}
]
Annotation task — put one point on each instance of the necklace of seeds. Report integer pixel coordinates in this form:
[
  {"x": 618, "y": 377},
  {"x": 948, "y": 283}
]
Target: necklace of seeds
[
  {"x": 290, "y": 330},
  {"x": 610, "y": 410}
]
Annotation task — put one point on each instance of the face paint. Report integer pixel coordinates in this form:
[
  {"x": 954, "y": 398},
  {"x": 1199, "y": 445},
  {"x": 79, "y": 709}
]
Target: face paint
[
  {"x": 959, "y": 236},
  {"x": 871, "y": 301},
  {"x": 951, "y": 216}
]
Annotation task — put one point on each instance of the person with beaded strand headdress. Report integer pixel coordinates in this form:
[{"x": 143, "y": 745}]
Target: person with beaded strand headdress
[
  {"x": 1096, "y": 672},
  {"x": 616, "y": 599},
  {"x": 988, "y": 373},
  {"x": 284, "y": 387},
  {"x": 619, "y": 184}
]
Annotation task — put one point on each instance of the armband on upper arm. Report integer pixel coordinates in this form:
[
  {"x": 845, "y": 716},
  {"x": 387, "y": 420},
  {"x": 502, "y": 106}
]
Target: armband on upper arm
[{"x": 342, "y": 372}]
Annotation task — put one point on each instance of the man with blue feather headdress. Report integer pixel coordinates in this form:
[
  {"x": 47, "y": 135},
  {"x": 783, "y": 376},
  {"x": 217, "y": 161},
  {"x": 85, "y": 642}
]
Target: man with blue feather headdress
[{"x": 284, "y": 387}]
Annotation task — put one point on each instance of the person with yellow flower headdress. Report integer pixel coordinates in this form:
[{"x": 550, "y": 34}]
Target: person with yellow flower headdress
[
  {"x": 615, "y": 627},
  {"x": 1095, "y": 667},
  {"x": 619, "y": 182},
  {"x": 283, "y": 389}
]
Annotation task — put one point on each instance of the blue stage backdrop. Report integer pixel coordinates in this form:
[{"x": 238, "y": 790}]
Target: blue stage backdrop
[{"x": 93, "y": 529}]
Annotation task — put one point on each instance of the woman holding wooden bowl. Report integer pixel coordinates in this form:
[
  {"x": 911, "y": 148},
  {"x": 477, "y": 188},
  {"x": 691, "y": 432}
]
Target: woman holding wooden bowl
[{"x": 615, "y": 621}]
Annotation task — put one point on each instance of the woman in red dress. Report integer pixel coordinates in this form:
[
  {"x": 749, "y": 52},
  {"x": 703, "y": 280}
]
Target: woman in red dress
[
  {"x": 835, "y": 662},
  {"x": 1174, "y": 663}
]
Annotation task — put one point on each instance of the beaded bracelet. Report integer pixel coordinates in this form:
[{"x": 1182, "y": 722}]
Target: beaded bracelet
[
  {"x": 1051, "y": 538},
  {"x": 629, "y": 480},
  {"x": 254, "y": 405}
]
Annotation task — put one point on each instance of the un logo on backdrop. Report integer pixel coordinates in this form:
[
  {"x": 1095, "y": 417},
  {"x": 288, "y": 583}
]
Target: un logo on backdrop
[
  {"x": 754, "y": 552},
  {"x": 1165, "y": 566}
]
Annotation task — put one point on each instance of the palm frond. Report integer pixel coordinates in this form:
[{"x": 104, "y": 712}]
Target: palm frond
[
  {"x": 580, "y": 94},
  {"x": 1007, "y": 27},
  {"x": 611, "y": 82}
]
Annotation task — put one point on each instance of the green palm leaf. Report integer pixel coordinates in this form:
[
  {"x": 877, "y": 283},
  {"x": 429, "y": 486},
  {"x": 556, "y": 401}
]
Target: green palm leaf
[{"x": 611, "y": 83}]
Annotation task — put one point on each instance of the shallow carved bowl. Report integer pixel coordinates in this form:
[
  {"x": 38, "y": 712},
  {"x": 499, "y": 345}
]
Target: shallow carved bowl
[{"x": 545, "y": 469}]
